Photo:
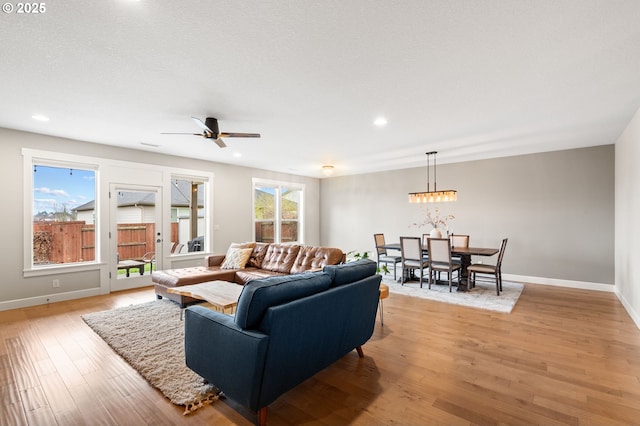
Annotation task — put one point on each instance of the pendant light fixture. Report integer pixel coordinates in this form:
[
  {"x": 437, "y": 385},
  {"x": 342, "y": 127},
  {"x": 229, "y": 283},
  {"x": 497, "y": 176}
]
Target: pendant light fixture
[{"x": 434, "y": 196}]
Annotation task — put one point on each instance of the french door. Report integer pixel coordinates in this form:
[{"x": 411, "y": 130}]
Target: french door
[{"x": 135, "y": 235}]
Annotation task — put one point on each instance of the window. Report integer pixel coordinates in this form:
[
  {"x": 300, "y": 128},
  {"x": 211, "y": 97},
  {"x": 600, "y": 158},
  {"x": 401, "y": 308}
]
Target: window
[
  {"x": 187, "y": 215},
  {"x": 63, "y": 214},
  {"x": 277, "y": 211}
]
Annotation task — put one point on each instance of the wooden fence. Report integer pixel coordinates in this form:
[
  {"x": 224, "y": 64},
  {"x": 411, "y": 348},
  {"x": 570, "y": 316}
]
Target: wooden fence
[
  {"x": 70, "y": 242},
  {"x": 265, "y": 232}
]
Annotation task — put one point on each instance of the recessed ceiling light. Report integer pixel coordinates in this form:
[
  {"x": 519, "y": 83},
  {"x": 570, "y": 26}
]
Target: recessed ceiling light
[
  {"x": 237, "y": 155},
  {"x": 40, "y": 117},
  {"x": 380, "y": 121}
]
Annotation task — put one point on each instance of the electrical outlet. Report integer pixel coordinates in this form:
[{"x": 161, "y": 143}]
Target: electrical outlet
[{"x": 56, "y": 283}]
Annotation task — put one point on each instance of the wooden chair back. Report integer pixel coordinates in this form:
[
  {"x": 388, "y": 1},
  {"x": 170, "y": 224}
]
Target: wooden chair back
[
  {"x": 503, "y": 246},
  {"x": 459, "y": 240},
  {"x": 410, "y": 248},
  {"x": 439, "y": 250},
  {"x": 379, "y": 239}
]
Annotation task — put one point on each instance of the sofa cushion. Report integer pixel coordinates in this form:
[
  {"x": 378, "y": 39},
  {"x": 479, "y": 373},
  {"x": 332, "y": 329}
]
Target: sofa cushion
[
  {"x": 350, "y": 272},
  {"x": 280, "y": 257},
  {"x": 250, "y": 274},
  {"x": 258, "y": 254},
  {"x": 193, "y": 275},
  {"x": 310, "y": 258},
  {"x": 236, "y": 258},
  {"x": 258, "y": 295}
]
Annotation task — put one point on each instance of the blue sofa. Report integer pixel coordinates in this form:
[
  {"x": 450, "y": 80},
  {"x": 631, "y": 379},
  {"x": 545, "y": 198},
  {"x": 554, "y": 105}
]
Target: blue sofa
[{"x": 285, "y": 330}]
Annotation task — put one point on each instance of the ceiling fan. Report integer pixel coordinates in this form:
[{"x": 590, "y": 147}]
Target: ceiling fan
[{"x": 210, "y": 131}]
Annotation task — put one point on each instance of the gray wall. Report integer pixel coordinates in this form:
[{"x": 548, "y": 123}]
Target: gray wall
[
  {"x": 627, "y": 213},
  {"x": 556, "y": 208},
  {"x": 231, "y": 212}
]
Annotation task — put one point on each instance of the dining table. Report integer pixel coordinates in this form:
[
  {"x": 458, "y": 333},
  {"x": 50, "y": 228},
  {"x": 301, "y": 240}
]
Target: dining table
[{"x": 465, "y": 254}]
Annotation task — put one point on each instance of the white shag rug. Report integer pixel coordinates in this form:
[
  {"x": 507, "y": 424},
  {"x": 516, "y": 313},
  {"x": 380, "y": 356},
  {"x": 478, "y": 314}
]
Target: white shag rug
[
  {"x": 150, "y": 337},
  {"x": 483, "y": 296}
]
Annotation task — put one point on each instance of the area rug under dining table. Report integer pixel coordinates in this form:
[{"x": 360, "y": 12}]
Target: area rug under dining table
[
  {"x": 482, "y": 296},
  {"x": 150, "y": 337}
]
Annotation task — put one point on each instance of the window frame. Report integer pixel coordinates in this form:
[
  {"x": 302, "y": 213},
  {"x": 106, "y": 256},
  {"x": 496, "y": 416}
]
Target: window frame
[
  {"x": 108, "y": 171},
  {"x": 33, "y": 159},
  {"x": 278, "y": 186},
  {"x": 207, "y": 181}
]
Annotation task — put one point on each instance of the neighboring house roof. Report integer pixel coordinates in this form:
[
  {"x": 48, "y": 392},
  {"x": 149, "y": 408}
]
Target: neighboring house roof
[
  {"x": 180, "y": 190},
  {"x": 91, "y": 205}
]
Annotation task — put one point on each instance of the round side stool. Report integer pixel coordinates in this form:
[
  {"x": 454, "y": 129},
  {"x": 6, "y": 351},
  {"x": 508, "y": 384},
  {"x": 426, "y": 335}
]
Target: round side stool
[{"x": 384, "y": 293}]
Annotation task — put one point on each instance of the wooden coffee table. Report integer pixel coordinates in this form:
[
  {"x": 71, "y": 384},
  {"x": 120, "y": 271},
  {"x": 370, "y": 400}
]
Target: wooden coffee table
[{"x": 220, "y": 295}]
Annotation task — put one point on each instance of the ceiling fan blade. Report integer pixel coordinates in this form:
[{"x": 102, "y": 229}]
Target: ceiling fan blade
[
  {"x": 220, "y": 143},
  {"x": 201, "y": 124},
  {"x": 239, "y": 135}
]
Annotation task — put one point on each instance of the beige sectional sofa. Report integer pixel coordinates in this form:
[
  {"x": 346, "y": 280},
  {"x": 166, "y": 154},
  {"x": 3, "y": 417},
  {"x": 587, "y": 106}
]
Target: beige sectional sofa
[{"x": 245, "y": 262}]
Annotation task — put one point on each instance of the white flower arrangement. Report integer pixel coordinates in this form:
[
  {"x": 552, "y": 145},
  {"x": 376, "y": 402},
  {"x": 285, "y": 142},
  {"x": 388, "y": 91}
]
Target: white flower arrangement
[{"x": 435, "y": 219}]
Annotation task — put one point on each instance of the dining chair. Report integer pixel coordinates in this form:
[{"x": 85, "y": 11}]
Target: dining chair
[
  {"x": 440, "y": 259},
  {"x": 383, "y": 257},
  {"x": 411, "y": 253},
  {"x": 458, "y": 240},
  {"x": 425, "y": 243},
  {"x": 495, "y": 270}
]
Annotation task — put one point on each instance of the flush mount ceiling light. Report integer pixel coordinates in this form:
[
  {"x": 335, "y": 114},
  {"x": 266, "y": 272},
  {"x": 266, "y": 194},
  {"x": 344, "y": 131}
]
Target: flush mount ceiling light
[
  {"x": 327, "y": 170},
  {"x": 434, "y": 196},
  {"x": 380, "y": 121},
  {"x": 40, "y": 117}
]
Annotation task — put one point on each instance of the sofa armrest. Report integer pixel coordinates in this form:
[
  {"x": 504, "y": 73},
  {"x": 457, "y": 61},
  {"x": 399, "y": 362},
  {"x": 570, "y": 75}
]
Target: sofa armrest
[
  {"x": 227, "y": 356},
  {"x": 214, "y": 260}
]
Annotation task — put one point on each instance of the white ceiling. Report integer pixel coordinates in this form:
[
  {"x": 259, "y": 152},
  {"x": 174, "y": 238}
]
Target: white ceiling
[{"x": 470, "y": 79}]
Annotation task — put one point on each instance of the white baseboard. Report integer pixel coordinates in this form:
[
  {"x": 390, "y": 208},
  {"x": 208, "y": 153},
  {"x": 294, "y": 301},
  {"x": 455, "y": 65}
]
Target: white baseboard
[
  {"x": 632, "y": 312},
  {"x": 49, "y": 298},
  {"x": 585, "y": 285}
]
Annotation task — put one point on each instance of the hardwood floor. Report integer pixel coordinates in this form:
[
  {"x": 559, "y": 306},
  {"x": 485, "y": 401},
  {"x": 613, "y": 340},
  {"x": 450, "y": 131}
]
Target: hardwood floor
[{"x": 563, "y": 356}]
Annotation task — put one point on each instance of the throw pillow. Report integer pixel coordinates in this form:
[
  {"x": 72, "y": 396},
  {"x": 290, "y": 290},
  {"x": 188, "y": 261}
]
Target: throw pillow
[
  {"x": 259, "y": 252},
  {"x": 236, "y": 258}
]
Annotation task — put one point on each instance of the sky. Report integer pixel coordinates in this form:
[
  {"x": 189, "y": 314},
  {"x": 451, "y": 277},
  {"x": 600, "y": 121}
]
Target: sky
[{"x": 55, "y": 187}]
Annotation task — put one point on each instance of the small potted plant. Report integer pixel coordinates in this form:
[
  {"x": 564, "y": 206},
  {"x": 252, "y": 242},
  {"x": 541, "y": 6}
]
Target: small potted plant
[{"x": 352, "y": 256}]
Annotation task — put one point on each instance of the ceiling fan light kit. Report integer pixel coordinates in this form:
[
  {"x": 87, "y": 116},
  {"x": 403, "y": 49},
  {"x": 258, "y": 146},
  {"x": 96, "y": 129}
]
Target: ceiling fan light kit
[{"x": 434, "y": 196}]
